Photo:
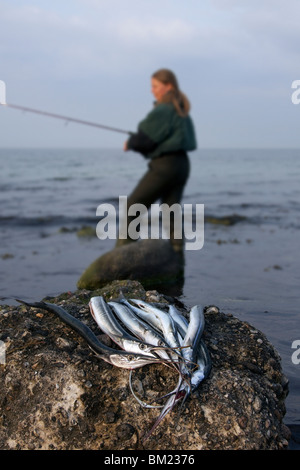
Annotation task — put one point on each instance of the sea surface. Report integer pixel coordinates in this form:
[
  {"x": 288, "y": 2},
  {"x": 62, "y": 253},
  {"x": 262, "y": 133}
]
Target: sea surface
[{"x": 250, "y": 268}]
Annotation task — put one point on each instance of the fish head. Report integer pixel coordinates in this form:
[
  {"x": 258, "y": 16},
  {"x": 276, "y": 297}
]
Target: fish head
[
  {"x": 130, "y": 361},
  {"x": 144, "y": 348}
]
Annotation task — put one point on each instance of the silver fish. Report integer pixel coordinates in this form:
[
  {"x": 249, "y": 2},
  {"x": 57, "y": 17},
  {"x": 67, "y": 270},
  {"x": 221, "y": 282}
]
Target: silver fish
[
  {"x": 197, "y": 356},
  {"x": 180, "y": 321},
  {"x": 118, "y": 358},
  {"x": 166, "y": 323},
  {"x": 204, "y": 366},
  {"x": 105, "y": 319},
  {"x": 148, "y": 317},
  {"x": 193, "y": 333},
  {"x": 154, "y": 322},
  {"x": 148, "y": 335},
  {"x": 195, "y": 326},
  {"x": 142, "y": 330}
]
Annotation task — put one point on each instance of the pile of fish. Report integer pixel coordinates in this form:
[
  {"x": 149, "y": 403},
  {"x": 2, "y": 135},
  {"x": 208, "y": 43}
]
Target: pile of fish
[{"x": 146, "y": 335}]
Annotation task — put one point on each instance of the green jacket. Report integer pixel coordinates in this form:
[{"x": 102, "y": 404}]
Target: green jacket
[{"x": 163, "y": 131}]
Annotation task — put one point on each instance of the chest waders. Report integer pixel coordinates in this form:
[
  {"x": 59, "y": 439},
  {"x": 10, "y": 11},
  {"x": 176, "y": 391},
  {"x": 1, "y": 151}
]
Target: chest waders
[{"x": 164, "y": 182}]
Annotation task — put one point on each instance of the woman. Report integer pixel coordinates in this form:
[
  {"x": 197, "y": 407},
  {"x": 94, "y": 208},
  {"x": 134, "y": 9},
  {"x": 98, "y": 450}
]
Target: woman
[{"x": 163, "y": 137}]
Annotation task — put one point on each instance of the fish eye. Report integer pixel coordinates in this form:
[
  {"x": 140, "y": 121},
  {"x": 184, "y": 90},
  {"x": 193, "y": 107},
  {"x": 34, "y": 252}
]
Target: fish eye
[
  {"x": 142, "y": 346},
  {"x": 130, "y": 358}
]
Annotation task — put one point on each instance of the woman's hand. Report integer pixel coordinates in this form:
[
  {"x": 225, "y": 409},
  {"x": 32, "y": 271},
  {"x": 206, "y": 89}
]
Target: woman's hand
[{"x": 125, "y": 146}]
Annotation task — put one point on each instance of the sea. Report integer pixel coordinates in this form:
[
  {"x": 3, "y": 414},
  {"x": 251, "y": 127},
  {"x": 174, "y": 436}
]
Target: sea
[{"x": 249, "y": 264}]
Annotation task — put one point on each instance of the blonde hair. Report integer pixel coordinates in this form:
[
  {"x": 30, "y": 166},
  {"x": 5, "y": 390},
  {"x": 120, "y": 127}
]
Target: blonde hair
[{"x": 175, "y": 96}]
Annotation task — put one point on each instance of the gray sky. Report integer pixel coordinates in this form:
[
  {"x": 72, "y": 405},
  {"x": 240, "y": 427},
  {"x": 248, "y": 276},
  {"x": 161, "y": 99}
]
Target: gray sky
[{"x": 92, "y": 59}]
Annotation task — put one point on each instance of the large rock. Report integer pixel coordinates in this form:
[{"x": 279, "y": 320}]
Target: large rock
[
  {"x": 56, "y": 394},
  {"x": 152, "y": 262}
]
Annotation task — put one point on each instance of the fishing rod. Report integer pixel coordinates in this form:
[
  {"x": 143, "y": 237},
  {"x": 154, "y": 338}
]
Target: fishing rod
[{"x": 55, "y": 116}]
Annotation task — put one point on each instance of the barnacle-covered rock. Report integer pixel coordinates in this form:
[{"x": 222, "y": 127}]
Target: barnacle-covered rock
[{"x": 56, "y": 394}]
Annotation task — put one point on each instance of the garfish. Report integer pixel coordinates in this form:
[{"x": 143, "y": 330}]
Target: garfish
[
  {"x": 154, "y": 322},
  {"x": 192, "y": 367},
  {"x": 180, "y": 321},
  {"x": 190, "y": 334},
  {"x": 148, "y": 317},
  {"x": 193, "y": 333},
  {"x": 193, "y": 364},
  {"x": 166, "y": 323},
  {"x": 142, "y": 330},
  {"x": 201, "y": 365},
  {"x": 120, "y": 358},
  {"x": 103, "y": 316},
  {"x": 204, "y": 366}
]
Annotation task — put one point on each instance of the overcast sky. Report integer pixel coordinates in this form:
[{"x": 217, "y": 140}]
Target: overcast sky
[{"x": 93, "y": 59}]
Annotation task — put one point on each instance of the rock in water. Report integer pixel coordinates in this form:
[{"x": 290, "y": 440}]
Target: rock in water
[{"x": 152, "y": 262}]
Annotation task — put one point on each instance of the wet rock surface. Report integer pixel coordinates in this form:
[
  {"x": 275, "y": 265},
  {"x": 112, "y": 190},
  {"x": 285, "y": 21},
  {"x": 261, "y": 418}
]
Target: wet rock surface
[
  {"x": 153, "y": 262},
  {"x": 56, "y": 394}
]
